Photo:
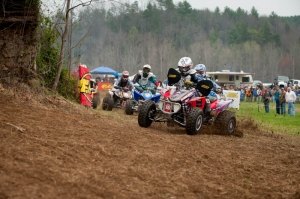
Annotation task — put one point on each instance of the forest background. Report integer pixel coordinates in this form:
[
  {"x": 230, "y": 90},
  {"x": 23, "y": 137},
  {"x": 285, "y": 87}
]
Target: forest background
[{"x": 125, "y": 37}]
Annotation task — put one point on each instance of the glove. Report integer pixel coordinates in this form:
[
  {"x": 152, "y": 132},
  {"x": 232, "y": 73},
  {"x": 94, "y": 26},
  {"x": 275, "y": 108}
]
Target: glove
[
  {"x": 153, "y": 91},
  {"x": 219, "y": 90},
  {"x": 188, "y": 83},
  {"x": 125, "y": 89},
  {"x": 144, "y": 87}
]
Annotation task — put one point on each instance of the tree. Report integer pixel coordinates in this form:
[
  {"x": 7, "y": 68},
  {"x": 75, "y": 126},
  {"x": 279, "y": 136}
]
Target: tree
[
  {"x": 254, "y": 12},
  {"x": 48, "y": 52},
  {"x": 239, "y": 34},
  {"x": 130, "y": 37},
  {"x": 166, "y": 4},
  {"x": 217, "y": 11},
  {"x": 64, "y": 39},
  {"x": 184, "y": 8}
]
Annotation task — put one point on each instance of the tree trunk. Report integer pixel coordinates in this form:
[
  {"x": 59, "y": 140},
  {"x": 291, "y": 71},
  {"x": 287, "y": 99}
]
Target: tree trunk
[{"x": 63, "y": 40}]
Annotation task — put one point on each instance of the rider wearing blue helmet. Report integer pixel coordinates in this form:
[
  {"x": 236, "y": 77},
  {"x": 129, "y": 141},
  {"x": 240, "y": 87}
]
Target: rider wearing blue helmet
[
  {"x": 200, "y": 71},
  {"x": 201, "y": 75}
]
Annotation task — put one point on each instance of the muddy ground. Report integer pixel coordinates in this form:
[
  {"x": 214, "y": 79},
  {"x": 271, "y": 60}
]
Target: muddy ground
[{"x": 51, "y": 148}]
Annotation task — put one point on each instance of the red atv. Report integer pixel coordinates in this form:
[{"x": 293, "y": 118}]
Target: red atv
[{"x": 189, "y": 108}]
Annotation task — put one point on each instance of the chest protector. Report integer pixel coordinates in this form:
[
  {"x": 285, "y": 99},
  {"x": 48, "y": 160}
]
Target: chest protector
[
  {"x": 123, "y": 83},
  {"x": 188, "y": 76},
  {"x": 144, "y": 81}
]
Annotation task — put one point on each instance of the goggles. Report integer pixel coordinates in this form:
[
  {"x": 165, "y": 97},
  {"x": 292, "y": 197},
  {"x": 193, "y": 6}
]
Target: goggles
[{"x": 146, "y": 70}]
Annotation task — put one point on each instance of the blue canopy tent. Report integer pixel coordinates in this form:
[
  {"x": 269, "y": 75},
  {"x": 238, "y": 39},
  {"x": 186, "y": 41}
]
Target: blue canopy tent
[{"x": 103, "y": 70}]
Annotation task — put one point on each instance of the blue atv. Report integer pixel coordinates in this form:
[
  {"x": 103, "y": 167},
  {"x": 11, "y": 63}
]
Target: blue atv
[{"x": 139, "y": 97}]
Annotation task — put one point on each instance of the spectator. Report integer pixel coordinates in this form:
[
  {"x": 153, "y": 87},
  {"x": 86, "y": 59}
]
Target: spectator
[
  {"x": 106, "y": 79},
  {"x": 272, "y": 90},
  {"x": 248, "y": 95},
  {"x": 254, "y": 94},
  {"x": 259, "y": 93},
  {"x": 242, "y": 97},
  {"x": 266, "y": 96},
  {"x": 282, "y": 101},
  {"x": 276, "y": 98},
  {"x": 290, "y": 98},
  {"x": 98, "y": 79}
]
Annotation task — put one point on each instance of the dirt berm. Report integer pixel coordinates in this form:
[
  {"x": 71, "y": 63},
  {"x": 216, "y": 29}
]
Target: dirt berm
[{"x": 52, "y": 148}]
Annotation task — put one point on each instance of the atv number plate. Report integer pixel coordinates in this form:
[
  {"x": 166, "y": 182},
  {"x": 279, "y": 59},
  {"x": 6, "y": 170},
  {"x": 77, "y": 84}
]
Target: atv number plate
[{"x": 167, "y": 107}]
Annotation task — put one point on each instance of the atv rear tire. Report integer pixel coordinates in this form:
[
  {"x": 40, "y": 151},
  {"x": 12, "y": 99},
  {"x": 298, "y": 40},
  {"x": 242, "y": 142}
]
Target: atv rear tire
[
  {"x": 128, "y": 107},
  {"x": 226, "y": 121},
  {"x": 194, "y": 121},
  {"x": 107, "y": 103},
  {"x": 146, "y": 113},
  {"x": 96, "y": 100}
]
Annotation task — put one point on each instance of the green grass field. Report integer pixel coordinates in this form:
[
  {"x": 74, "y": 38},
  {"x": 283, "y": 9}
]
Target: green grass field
[{"x": 271, "y": 121}]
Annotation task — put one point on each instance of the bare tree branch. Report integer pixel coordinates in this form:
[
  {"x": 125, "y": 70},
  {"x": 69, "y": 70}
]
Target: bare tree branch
[
  {"x": 81, "y": 39},
  {"x": 81, "y": 4}
]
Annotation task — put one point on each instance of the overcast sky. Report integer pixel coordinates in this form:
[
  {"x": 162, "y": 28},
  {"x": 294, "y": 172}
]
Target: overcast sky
[{"x": 264, "y": 7}]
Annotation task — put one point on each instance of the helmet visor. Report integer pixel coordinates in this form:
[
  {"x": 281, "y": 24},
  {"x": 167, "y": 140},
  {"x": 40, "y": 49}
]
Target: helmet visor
[
  {"x": 183, "y": 68},
  {"x": 200, "y": 72},
  {"x": 125, "y": 77}
]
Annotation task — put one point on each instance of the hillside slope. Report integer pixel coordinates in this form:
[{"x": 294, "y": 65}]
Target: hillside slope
[{"x": 51, "y": 148}]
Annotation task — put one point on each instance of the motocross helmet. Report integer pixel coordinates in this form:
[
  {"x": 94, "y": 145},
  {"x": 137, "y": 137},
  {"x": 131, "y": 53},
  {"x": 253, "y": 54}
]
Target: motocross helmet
[
  {"x": 185, "y": 64},
  {"x": 200, "y": 68},
  {"x": 146, "y": 70},
  {"x": 125, "y": 75}
]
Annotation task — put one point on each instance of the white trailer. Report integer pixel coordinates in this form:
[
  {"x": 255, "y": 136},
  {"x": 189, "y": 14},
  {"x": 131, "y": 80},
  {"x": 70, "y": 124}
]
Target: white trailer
[{"x": 236, "y": 79}]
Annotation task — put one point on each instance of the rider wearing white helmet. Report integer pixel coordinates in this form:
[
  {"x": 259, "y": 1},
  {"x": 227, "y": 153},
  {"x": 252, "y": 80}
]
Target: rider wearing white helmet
[
  {"x": 188, "y": 74},
  {"x": 145, "y": 79}
]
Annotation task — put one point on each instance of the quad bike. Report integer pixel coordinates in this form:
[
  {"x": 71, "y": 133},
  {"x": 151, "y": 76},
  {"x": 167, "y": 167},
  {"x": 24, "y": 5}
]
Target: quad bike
[
  {"x": 139, "y": 98},
  {"x": 116, "y": 99},
  {"x": 189, "y": 108}
]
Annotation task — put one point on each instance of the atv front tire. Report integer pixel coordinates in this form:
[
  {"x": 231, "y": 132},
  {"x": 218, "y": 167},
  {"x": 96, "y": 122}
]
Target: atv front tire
[
  {"x": 194, "y": 121},
  {"x": 128, "y": 107},
  {"x": 146, "y": 113},
  {"x": 96, "y": 100},
  {"x": 226, "y": 121},
  {"x": 107, "y": 103}
]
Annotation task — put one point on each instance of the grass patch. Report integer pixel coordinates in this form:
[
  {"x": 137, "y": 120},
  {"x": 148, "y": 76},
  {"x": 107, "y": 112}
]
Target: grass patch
[{"x": 271, "y": 121}]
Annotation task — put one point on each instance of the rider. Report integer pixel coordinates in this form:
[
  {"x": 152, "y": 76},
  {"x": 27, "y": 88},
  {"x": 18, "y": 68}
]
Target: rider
[
  {"x": 123, "y": 83},
  {"x": 200, "y": 71},
  {"x": 188, "y": 74},
  {"x": 201, "y": 75},
  {"x": 145, "y": 79}
]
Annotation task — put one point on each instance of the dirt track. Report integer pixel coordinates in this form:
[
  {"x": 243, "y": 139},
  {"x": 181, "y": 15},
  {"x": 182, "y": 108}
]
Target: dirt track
[{"x": 50, "y": 148}]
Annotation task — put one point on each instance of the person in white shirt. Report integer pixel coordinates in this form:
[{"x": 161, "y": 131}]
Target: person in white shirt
[{"x": 290, "y": 98}]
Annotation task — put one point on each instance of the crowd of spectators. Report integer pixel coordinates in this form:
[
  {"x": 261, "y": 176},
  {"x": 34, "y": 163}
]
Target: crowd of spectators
[{"x": 283, "y": 97}]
